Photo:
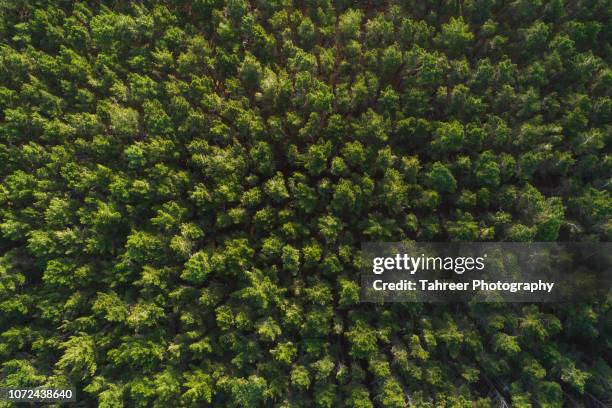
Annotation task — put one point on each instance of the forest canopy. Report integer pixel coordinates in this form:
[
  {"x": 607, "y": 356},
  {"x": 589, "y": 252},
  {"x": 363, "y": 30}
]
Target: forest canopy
[{"x": 185, "y": 188}]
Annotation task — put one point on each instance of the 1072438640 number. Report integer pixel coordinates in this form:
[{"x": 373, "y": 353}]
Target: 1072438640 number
[{"x": 37, "y": 394}]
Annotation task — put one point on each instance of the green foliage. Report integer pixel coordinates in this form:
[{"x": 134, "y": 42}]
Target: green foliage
[
  {"x": 185, "y": 187},
  {"x": 441, "y": 179}
]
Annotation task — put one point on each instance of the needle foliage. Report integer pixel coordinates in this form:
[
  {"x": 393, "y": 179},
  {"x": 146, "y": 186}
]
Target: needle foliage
[{"x": 185, "y": 187}]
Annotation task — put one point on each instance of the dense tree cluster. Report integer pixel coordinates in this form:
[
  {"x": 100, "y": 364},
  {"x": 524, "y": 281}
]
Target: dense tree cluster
[{"x": 185, "y": 186}]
